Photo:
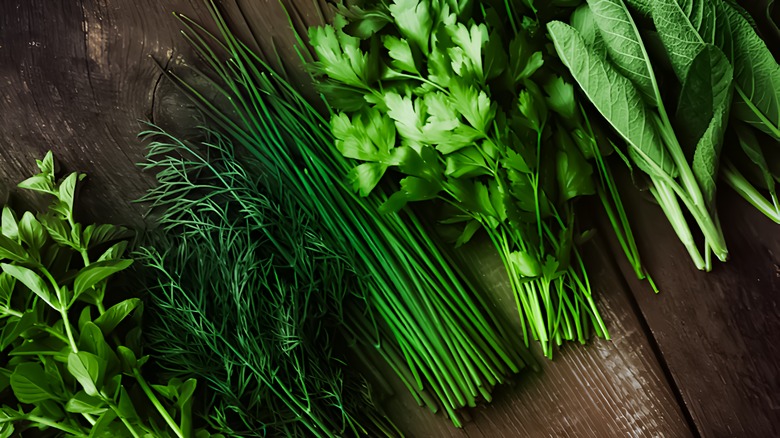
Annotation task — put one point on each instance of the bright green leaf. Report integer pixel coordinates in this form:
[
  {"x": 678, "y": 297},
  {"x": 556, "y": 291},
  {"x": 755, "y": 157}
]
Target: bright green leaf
[
  {"x": 33, "y": 281},
  {"x": 81, "y": 403},
  {"x": 93, "y": 274},
  {"x": 30, "y": 384},
  {"x": 85, "y": 367},
  {"x": 116, "y": 314}
]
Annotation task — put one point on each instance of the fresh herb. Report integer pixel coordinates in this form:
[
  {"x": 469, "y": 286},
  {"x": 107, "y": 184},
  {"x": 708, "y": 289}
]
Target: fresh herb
[
  {"x": 723, "y": 70},
  {"x": 453, "y": 96},
  {"x": 73, "y": 365},
  {"x": 436, "y": 334},
  {"x": 250, "y": 300}
]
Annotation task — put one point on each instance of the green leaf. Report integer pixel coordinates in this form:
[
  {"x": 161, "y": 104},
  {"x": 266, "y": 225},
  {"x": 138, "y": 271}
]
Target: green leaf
[
  {"x": 168, "y": 391},
  {"x": 703, "y": 112},
  {"x": 10, "y": 227},
  {"x": 400, "y": 53},
  {"x": 625, "y": 46},
  {"x": 85, "y": 367},
  {"x": 30, "y": 384},
  {"x": 412, "y": 189},
  {"x": 467, "y": 163},
  {"x": 106, "y": 426},
  {"x": 475, "y": 106},
  {"x": 125, "y": 406},
  {"x": 615, "y": 97},
  {"x": 115, "y": 252},
  {"x": 92, "y": 341},
  {"x": 67, "y": 190},
  {"x": 81, "y": 403},
  {"x": 685, "y": 26},
  {"x": 31, "y": 231},
  {"x": 47, "y": 164},
  {"x": 575, "y": 174},
  {"x": 38, "y": 183},
  {"x": 11, "y": 250},
  {"x": 96, "y": 272},
  {"x": 58, "y": 229},
  {"x": 116, "y": 314},
  {"x": 186, "y": 391},
  {"x": 413, "y": 20},
  {"x": 45, "y": 346},
  {"x": 752, "y": 148},
  {"x": 7, "y": 284},
  {"x": 33, "y": 281},
  {"x": 470, "y": 40},
  {"x": 560, "y": 98},
  {"x": 408, "y": 114},
  {"x": 127, "y": 358},
  {"x": 339, "y": 56},
  {"x": 15, "y": 327},
  {"x": 468, "y": 232},
  {"x": 525, "y": 264},
  {"x": 584, "y": 21},
  {"x": 364, "y": 177},
  {"x": 97, "y": 234}
]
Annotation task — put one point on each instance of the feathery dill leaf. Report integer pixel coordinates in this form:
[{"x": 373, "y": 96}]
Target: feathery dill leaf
[{"x": 249, "y": 297}]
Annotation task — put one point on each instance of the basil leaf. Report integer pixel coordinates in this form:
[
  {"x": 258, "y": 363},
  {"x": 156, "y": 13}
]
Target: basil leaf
[
  {"x": 30, "y": 383},
  {"x": 91, "y": 275},
  {"x": 33, "y": 282}
]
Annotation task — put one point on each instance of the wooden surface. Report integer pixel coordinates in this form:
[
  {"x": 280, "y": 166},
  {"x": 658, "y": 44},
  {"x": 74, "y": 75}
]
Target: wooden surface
[{"x": 699, "y": 359}]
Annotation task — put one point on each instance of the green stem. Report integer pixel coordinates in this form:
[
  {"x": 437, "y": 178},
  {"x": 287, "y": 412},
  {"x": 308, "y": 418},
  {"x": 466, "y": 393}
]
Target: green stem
[
  {"x": 53, "y": 424},
  {"x": 668, "y": 201},
  {"x": 742, "y": 186},
  {"x": 156, "y": 402},
  {"x": 124, "y": 421}
]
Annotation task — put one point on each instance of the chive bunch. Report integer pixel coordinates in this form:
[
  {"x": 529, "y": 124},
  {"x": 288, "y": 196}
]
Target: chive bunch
[{"x": 437, "y": 335}]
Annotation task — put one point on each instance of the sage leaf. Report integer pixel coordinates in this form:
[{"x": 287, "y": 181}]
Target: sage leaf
[
  {"x": 685, "y": 26},
  {"x": 703, "y": 112},
  {"x": 616, "y": 98},
  {"x": 624, "y": 44},
  {"x": 750, "y": 145}
]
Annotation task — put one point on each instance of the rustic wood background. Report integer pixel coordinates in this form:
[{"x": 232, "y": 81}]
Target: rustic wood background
[{"x": 699, "y": 359}]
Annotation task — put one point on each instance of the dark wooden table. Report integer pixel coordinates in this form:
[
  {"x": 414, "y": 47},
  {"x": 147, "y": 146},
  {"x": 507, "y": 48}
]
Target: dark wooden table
[{"x": 699, "y": 359}]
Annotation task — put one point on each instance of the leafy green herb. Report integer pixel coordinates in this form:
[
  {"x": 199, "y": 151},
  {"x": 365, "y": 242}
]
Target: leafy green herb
[
  {"x": 70, "y": 376},
  {"x": 627, "y": 76}
]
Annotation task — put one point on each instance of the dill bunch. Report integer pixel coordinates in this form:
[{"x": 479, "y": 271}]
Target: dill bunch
[{"x": 249, "y": 298}]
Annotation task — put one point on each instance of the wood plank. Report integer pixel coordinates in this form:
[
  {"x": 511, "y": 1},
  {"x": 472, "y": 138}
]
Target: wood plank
[
  {"x": 611, "y": 388},
  {"x": 717, "y": 331}
]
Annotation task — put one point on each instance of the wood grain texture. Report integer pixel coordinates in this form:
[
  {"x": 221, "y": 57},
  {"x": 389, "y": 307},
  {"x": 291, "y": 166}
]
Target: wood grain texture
[{"x": 718, "y": 331}]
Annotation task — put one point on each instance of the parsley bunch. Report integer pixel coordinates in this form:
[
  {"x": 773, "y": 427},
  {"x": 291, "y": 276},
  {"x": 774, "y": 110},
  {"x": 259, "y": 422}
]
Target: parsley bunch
[{"x": 455, "y": 97}]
